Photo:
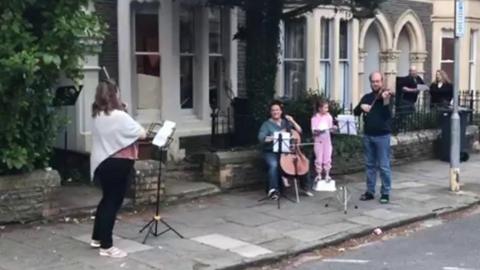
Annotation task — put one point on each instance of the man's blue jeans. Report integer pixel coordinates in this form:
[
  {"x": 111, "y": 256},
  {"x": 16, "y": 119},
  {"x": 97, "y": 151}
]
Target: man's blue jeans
[{"x": 377, "y": 158}]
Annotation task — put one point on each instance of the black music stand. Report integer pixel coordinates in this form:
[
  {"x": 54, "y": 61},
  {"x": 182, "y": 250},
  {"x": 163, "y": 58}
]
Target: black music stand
[
  {"x": 282, "y": 144},
  {"x": 66, "y": 96},
  {"x": 157, "y": 218}
]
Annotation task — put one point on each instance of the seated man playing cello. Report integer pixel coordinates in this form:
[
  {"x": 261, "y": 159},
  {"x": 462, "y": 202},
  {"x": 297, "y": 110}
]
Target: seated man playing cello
[{"x": 277, "y": 122}]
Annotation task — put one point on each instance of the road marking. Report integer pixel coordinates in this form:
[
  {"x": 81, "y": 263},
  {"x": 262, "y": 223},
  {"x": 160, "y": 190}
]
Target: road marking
[
  {"x": 456, "y": 268},
  {"x": 346, "y": 261}
]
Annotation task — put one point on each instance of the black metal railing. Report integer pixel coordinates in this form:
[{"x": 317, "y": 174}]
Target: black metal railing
[
  {"x": 230, "y": 128},
  {"x": 221, "y": 128},
  {"x": 420, "y": 115},
  {"x": 470, "y": 99}
]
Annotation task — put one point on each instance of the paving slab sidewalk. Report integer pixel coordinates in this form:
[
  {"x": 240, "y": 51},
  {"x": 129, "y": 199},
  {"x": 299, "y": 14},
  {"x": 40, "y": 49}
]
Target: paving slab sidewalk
[{"x": 230, "y": 231}]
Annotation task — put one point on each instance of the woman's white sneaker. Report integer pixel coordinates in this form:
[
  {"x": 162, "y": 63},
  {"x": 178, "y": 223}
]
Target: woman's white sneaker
[
  {"x": 113, "y": 252},
  {"x": 95, "y": 243}
]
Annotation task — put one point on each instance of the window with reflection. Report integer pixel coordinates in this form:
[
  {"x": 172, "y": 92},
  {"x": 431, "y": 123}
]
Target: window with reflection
[
  {"x": 147, "y": 58},
  {"x": 344, "y": 63},
  {"x": 325, "y": 57},
  {"x": 473, "y": 59},
  {"x": 294, "y": 57},
  {"x": 187, "y": 55},
  {"x": 447, "y": 62},
  {"x": 216, "y": 57}
]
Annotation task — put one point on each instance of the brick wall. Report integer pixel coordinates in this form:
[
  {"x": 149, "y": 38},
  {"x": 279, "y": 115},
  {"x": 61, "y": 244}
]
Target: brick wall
[
  {"x": 393, "y": 9},
  {"x": 109, "y": 56}
]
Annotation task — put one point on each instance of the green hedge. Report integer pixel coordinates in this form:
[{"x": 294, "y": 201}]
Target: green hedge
[
  {"x": 303, "y": 108},
  {"x": 39, "y": 40}
]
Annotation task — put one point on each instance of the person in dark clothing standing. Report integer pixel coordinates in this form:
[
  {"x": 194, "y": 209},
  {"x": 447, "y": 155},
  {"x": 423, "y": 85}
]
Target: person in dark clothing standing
[
  {"x": 376, "y": 109},
  {"x": 407, "y": 94},
  {"x": 441, "y": 90},
  {"x": 409, "y": 88}
]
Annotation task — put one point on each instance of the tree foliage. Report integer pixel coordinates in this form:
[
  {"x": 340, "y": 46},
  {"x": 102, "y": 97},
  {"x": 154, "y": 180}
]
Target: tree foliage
[{"x": 39, "y": 40}]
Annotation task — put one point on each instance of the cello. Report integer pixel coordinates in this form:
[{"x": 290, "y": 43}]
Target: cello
[{"x": 294, "y": 163}]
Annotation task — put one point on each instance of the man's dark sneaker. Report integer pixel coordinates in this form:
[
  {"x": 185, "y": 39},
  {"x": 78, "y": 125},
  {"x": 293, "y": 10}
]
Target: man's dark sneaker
[
  {"x": 385, "y": 199},
  {"x": 367, "y": 196}
]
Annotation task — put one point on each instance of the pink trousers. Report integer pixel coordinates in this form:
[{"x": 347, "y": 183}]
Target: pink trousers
[{"x": 323, "y": 153}]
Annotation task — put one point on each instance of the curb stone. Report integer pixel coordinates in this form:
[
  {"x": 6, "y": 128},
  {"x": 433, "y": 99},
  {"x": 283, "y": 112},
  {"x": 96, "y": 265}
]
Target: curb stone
[{"x": 342, "y": 237}]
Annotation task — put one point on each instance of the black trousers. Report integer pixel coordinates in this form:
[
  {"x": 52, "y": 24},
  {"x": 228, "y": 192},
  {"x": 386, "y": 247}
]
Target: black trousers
[{"x": 113, "y": 174}]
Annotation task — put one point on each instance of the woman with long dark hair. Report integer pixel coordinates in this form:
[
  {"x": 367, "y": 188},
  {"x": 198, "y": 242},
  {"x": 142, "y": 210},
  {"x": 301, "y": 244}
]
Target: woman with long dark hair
[
  {"x": 441, "y": 90},
  {"x": 278, "y": 121},
  {"x": 114, "y": 150}
]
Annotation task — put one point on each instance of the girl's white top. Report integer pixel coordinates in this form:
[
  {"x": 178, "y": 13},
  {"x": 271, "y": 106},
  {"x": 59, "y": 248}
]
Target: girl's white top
[{"x": 110, "y": 134}]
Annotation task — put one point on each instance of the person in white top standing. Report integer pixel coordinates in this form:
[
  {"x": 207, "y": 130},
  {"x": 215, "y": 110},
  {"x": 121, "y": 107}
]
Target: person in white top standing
[{"x": 114, "y": 150}]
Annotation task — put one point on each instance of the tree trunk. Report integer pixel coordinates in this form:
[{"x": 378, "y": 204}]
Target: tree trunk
[{"x": 262, "y": 24}]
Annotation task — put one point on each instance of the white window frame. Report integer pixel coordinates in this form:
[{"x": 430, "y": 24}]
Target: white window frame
[
  {"x": 326, "y": 88},
  {"x": 149, "y": 9},
  {"x": 221, "y": 55},
  {"x": 287, "y": 60},
  {"x": 445, "y": 34},
  {"x": 346, "y": 93},
  {"x": 191, "y": 55},
  {"x": 473, "y": 59}
]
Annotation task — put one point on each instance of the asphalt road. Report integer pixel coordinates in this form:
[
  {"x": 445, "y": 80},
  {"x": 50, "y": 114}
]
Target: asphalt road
[{"x": 453, "y": 245}]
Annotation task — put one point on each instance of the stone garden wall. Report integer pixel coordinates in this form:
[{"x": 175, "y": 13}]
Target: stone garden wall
[
  {"x": 27, "y": 197},
  {"x": 234, "y": 169}
]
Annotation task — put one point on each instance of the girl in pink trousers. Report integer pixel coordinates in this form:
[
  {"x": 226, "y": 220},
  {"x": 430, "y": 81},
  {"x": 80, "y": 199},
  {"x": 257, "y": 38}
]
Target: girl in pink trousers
[{"x": 321, "y": 124}]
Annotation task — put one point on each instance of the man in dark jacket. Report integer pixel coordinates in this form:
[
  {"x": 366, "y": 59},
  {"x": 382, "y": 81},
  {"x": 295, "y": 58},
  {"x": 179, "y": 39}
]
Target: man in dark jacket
[
  {"x": 376, "y": 109},
  {"x": 409, "y": 87},
  {"x": 407, "y": 94}
]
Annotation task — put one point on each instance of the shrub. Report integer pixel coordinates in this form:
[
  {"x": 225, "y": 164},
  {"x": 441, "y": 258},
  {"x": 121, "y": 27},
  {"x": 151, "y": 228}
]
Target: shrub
[
  {"x": 303, "y": 107},
  {"x": 39, "y": 40}
]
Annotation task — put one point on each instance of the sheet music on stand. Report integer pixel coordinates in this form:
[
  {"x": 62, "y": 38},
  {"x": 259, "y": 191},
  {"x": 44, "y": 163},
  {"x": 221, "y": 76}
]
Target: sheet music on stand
[
  {"x": 422, "y": 87},
  {"x": 164, "y": 133},
  {"x": 283, "y": 138},
  {"x": 347, "y": 124}
]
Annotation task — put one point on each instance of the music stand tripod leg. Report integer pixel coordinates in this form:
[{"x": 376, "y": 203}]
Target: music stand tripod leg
[
  {"x": 148, "y": 232},
  {"x": 146, "y": 225},
  {"x": 170, "y": 228},
  {"x": 157, "y": 218},
  {"x": 296, "y": 191}
]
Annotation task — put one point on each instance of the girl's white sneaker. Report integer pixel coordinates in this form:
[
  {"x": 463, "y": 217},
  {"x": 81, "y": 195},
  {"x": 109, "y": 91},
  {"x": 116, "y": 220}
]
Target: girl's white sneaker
[{"x": 113, "y": 252}]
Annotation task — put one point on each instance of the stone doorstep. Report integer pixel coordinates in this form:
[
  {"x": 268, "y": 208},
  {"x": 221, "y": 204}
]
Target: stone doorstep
[{"x": 180, "y": 190}]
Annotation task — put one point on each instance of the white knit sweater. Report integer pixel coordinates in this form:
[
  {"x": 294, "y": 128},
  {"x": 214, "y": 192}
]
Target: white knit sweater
[{"x": 110, "y": 134}]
